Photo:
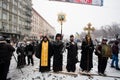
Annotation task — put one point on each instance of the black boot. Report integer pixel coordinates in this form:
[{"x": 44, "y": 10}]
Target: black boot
[{"x": 117, "y": 68}]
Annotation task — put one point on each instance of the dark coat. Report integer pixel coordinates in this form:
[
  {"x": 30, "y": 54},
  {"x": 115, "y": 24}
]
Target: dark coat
[
  {"x": 102, "y": 61},
  {"x": 29, "y": 48},
  {"x": 20, "y": 50},
  {"x": 21, "y": 56},
  {"x": 72, "y": 53},
  {"x": 115, "y": 49},
  {"x": 38, "y": 55},
  {"x": 6, "y": 50},
  {"x": 72, "y": 56},
  {"x": 57, "y": 55},
  {"x": 86, "y": 62}
]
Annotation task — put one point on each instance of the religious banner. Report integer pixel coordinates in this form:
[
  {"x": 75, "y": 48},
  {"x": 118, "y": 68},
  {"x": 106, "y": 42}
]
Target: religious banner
[{"x": 89, "y": 2}]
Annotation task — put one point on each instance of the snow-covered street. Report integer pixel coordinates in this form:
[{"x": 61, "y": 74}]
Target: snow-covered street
[{"x": 31, "y": 72}]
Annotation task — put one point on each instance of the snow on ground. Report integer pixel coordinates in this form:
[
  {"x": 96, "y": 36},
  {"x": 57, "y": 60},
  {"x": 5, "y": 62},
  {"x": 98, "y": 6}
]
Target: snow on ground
[{"x": 32, "y": 73}]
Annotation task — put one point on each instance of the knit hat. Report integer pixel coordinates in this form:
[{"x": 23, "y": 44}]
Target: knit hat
[
  {"x": 71, "y": 36},
  {"x": 58, "y": 35},
  {"x": 116, "y": 42},
  {"x": 2, "y": 38},
  {"x": 104, "y": 39}
]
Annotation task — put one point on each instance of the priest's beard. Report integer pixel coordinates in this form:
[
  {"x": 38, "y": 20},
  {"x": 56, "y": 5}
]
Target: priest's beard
[
  {"x": 71, "y": 40},
  {"x": 45, "y": 41}
]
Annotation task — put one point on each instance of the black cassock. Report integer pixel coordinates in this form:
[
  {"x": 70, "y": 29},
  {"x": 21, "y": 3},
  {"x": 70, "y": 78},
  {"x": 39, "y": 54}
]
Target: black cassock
[
  {"x": 57, "y": 56},
  {"x": 86, "y": 62},
  {"x": 38, "y": 55},
  {"x": 72, "y": 57}
]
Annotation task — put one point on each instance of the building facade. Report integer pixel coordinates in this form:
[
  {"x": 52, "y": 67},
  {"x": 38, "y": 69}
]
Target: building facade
[
  {"x": 40, "y": 26},
  {"x": 15, "y": 18}
]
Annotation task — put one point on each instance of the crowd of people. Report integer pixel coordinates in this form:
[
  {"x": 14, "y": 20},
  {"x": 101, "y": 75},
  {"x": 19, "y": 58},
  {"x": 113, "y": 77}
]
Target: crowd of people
[{"x": 46, "y": 49}]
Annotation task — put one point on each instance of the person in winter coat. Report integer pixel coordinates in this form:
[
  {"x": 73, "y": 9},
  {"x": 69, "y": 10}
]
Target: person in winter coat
[
  {"x": 72, "y": 57},
  {"x": 58, "y": 46},
  {"x": 21, "y": 55},
  {"x": 29, "y": 49},
  {"x": 86, "y": 62},
  {"x": 103, "y": 51},
  {"x": 6, "y": 51},
  {"x": 115, "y": 52}
]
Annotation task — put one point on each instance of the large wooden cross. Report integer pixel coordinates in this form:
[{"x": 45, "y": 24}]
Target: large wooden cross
[{"x": 89, "y": 28}]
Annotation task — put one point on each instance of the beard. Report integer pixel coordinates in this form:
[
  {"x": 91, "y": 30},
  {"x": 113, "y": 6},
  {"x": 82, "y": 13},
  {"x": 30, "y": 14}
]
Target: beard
[
  {"x": 71, "y": 40},
  {"x": 45, "y": 41}
]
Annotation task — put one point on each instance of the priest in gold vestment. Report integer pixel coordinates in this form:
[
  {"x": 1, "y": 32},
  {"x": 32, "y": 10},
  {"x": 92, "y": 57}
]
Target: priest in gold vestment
[{"x": 44, "y": 53}]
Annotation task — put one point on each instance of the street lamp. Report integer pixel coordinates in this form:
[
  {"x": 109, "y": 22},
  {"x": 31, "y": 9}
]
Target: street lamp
[{"x": 61, "y": 19}]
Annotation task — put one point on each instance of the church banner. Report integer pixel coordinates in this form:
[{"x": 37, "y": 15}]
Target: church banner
[{"x": 89, "y": 2}]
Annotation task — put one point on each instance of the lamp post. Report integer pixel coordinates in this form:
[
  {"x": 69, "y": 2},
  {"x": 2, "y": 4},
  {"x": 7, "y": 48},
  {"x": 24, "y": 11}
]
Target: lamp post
[{"x": 61, "y": 19}]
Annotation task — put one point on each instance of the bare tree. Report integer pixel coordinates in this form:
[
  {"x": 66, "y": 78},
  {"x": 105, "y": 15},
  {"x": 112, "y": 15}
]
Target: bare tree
[{"x": 108, "y": 31}]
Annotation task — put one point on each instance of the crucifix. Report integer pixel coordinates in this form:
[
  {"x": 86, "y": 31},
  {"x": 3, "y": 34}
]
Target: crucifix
[{"x": 89, "y": 28}]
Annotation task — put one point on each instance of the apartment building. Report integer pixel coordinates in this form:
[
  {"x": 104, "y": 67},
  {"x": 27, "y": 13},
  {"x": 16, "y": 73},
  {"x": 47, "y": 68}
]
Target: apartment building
[
  {"x": 15, "y": 18},
  {"x": 40, "y": 26}
]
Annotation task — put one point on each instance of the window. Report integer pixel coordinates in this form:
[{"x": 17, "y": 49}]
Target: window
[
  {"x": 4, "y": 4},
  {"x": 0, "y": 14},
  {"x": 10, "y": 27},
  {"x": 10, "y": 17},
  {"x": 0, "y": 3},
  {"x": 0, "y": 26},
  {"x": 4, "y": 26},
  {"x": 15, "y": 9},
  {"x": 14, "y": 29},
  {"x": 15, "y": 19},
  {"x": 4, "y": 15},
  {"x": 15, "y": 2}
]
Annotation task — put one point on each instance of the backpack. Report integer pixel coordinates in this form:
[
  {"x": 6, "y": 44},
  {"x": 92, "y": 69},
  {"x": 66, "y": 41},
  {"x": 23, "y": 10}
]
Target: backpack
[{"x": 106, "y": 51}]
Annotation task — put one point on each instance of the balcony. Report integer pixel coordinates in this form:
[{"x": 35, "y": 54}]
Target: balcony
[
  {"x": 3, "y": 30},
  {"x": 28, "y": 20},
  {"x": 29, "y": 7},
  {"x": 18, "y": 32},
  {"x": 28, "y": 13},
  {"x": 28, "y": 27}
]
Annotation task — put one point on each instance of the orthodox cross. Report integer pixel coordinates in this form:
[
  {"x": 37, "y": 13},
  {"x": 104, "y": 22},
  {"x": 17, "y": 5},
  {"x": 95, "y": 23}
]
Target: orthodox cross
[{"x": 89, "y": 28}]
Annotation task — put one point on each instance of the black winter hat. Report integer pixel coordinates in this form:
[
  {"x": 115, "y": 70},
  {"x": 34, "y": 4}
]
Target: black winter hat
[
  {"x": 58, "y": 35},
  {"x": 71, "y": 36},
  {"x": 104, "y": 39},
  {"x": 116, "y": 42},
  {"x": 2, "y": 38}
]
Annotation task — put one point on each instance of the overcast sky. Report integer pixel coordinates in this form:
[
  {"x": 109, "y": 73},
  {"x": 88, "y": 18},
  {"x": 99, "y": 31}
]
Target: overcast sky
[{"x": 78, "y": 15}]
